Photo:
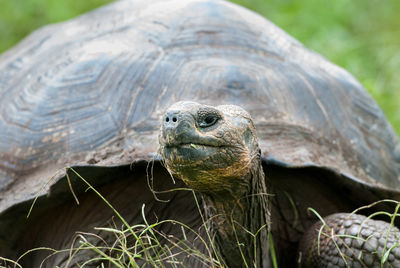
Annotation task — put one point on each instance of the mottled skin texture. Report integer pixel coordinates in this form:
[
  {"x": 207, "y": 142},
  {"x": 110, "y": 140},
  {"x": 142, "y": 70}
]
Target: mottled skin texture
[
  {"x": 215, "y": 152},
  {"x": 350, "y": 240}
]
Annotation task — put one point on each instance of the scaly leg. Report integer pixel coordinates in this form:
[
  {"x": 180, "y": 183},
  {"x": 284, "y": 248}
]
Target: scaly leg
[{"x": 350, "y": 240}]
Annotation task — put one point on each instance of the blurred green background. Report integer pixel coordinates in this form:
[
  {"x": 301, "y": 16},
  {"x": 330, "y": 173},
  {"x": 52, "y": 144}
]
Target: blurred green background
[{"x": 362, "y": 36}]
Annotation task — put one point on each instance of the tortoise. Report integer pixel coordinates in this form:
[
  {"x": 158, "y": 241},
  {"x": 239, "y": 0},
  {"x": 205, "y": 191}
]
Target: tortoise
[{"x": 89, "y": 94}]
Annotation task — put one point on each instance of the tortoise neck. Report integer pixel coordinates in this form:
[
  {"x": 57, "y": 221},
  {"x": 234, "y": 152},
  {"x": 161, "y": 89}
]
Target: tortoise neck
[{"x": 243, "y": 220}]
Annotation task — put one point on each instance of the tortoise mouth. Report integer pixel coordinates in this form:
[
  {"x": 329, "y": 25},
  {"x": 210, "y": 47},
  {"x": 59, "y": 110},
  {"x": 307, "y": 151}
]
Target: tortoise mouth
[
  {"x": 193, "y": 145},
  {"x": 185, "y": 153}
]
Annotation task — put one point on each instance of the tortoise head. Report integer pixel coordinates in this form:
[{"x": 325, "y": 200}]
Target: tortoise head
[{"x": 212, "y": 149}]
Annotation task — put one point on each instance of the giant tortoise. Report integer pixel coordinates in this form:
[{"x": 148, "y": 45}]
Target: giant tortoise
[{"x": 91, "y": 93}]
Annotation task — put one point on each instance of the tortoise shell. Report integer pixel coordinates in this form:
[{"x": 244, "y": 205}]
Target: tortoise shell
[{"x": 91, "y": 91}]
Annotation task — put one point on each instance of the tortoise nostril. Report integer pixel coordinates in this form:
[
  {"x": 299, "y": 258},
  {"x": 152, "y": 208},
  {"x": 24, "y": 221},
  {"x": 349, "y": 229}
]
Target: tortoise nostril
[{"x": 171, "y": 118}]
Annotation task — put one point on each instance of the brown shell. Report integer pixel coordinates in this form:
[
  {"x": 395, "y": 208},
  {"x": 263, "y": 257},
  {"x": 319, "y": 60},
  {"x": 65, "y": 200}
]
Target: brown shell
[{"x": 92, "y": 90}]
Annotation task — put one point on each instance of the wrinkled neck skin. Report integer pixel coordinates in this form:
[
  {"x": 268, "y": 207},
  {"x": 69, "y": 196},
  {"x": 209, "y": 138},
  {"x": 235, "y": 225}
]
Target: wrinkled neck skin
[{"x": 232, "y": 218}]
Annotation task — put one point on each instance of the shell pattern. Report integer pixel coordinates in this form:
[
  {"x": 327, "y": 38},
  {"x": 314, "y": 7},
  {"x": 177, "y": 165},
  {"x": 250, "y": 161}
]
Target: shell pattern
[{"x": 92, "y": 90}]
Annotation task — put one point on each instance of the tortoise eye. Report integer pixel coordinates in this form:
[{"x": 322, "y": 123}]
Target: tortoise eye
[
  {"x": 207, "y": 118},
  {"x": 208, "y": 121}
]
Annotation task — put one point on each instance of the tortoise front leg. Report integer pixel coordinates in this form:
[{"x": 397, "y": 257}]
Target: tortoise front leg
[{"x": 350, "y": 240}]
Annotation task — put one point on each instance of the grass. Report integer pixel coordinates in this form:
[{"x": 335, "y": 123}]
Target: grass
[
  {"x": 140, "y": 245},
  {"x": 143, "y": 245},
  {"x": 146, "y": 246},
  {"x": 362, "y": 36}
]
